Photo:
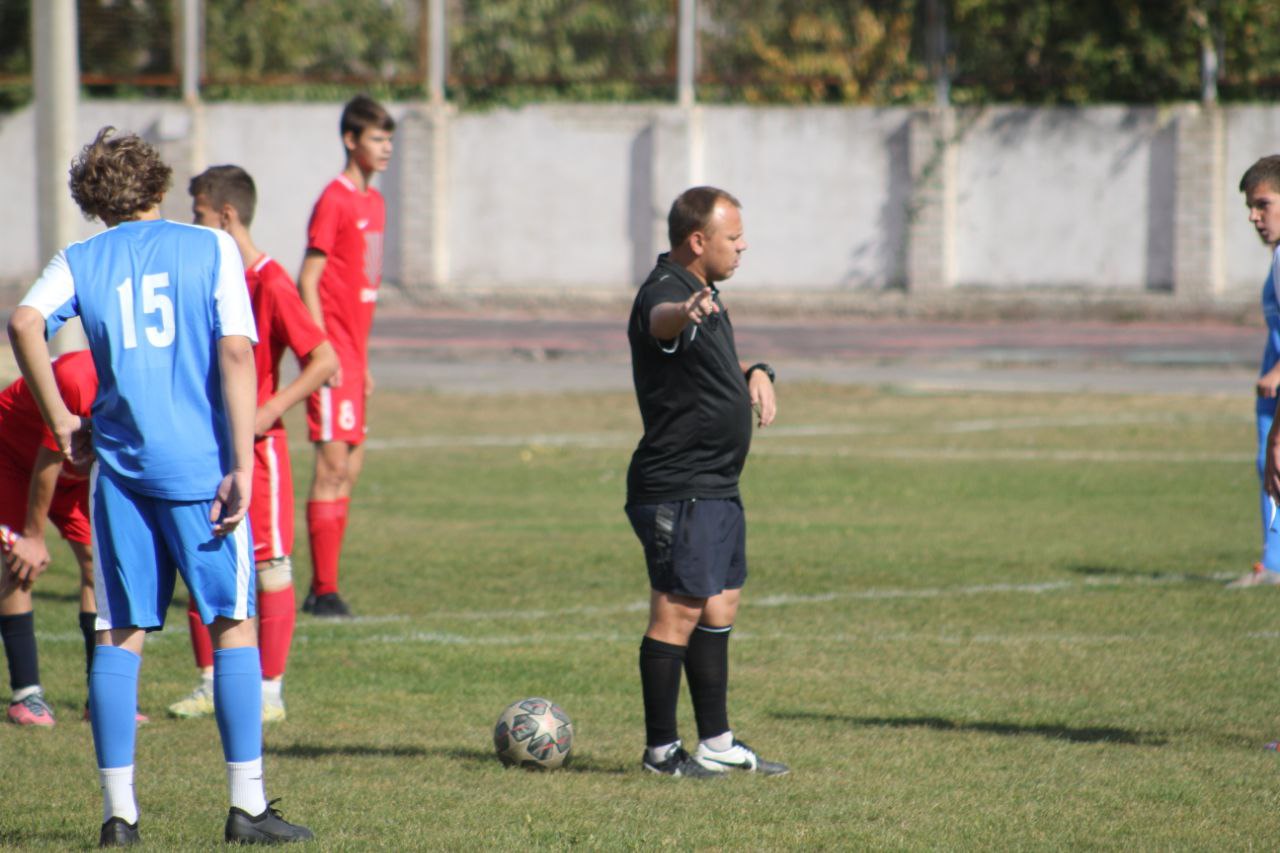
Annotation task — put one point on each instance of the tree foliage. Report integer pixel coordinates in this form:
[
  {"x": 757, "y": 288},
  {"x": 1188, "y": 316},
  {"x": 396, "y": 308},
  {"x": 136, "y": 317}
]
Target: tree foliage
[{"x": 754, "y": 51}]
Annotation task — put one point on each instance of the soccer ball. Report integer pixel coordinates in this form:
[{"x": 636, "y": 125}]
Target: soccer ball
[{"x": 533, "y": 733}]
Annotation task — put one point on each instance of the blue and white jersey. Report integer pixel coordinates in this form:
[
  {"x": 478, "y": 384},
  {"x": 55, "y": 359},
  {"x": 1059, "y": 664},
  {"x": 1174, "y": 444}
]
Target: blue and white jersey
[{"x": 154, "y": 296}]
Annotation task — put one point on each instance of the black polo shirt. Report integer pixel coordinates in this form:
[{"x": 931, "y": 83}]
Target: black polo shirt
[{"x": 693, "y": 399}]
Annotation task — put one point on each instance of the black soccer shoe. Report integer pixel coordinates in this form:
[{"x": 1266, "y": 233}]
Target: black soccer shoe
[
  {"x": 309, "y": 603},
  {"x": 679, "y": 763},
  {"x": 267, "y": 828},
  {"x": 330, "y": 606},
  {"x": 117, "y": 833}
]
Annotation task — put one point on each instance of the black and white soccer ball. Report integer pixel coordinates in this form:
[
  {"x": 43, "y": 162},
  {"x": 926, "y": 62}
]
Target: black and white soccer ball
[{"x": 534, "y": 733}]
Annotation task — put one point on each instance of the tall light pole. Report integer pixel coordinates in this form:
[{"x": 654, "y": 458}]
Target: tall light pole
[{"x": 57, "y": 90}]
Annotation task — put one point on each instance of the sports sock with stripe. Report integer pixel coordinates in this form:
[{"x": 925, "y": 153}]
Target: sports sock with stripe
[{"x": 707, "y": 666}]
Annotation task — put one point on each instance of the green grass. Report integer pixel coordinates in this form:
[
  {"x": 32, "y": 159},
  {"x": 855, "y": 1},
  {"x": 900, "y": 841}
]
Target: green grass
[{"x": 973, "y": 621}]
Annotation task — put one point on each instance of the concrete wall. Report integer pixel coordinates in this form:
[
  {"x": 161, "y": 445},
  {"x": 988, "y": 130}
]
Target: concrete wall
[{"x": 573, "y": 198}]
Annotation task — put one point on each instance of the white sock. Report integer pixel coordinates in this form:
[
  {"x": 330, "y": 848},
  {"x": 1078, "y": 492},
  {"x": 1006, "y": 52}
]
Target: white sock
[
  {"x": 720, "y": 742},
  {"x": 244, "y": 778},
  {"x": 19, "y": 695},
  {"x": 206, "y": 681},
  {"x": 659, "y": 754},
  {"x": 117, "y": 793},
  {"x": 271, "y": 692}
]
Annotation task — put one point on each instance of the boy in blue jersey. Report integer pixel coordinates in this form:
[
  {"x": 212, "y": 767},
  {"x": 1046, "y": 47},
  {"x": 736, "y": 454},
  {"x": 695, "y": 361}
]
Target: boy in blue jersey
[
  {"x": 1261, "y": 188},
  {"x": 169, "y": 324}
]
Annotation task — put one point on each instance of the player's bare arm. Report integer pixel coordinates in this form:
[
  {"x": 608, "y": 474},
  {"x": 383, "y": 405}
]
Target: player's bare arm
[
  {"x": 31, "y": 351},
  {"x": 764, "y": 399},
  {"x": 319, "y": 365},
  {"x": 669, "y": 319},
  {"x": 309, "y": 287},
  {"x": 239, "y": 393},
  {"x": 1269, "y": 382},
  {"x": 30, "y": 555}
]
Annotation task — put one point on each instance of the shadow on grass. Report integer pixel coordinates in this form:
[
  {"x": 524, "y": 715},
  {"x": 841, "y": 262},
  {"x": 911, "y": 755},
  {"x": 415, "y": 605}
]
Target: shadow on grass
[
  {"x": 1095, "y": 571},
  {"x": 477, "y": 757},
  {"x": 1091, "y": 734},
  {"x": 356, "y": 750}
]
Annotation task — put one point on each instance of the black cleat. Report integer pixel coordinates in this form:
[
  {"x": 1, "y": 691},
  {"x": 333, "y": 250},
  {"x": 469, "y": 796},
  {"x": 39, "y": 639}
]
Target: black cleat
[
  {"x": 117, "y": 833},
  {"x": 329, "y": 606},
  {"x": 267, "y": 828},
  {"x": 309, "y": 603},
  {"x": 679, "y": 763}
]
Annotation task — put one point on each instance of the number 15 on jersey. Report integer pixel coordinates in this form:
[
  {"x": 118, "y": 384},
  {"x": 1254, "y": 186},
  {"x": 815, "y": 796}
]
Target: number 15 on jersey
[{"x": 156, "y": 304}]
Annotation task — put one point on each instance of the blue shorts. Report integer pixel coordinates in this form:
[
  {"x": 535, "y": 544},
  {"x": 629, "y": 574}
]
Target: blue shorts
[
  {"x": 696, "y": 548},
  {"x": 140, "y": 543}
]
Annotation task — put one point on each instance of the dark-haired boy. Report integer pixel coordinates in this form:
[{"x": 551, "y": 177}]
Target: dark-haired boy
[
  {"x": 1261, "y": 188},
  {"x": 174, "y": 470},
  {"x": 224, "y": 197},
  {"x": 339, "y": 282},
  {"x": 696, "y": 400}
]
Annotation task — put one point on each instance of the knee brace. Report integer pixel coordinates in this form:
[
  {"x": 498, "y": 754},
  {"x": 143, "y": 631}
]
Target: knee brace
[{"x": 275, "y": 574}]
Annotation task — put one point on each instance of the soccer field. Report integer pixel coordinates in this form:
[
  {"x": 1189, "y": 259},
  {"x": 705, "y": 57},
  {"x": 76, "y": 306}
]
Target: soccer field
[{"x": 973, "y": 622}]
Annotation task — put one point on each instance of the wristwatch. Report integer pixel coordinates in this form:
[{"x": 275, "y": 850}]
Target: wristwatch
[{"x": 768, "y": 371}]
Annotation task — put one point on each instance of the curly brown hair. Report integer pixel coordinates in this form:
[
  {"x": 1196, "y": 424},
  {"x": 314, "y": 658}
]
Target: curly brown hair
[{"x": 116, "y": 178}]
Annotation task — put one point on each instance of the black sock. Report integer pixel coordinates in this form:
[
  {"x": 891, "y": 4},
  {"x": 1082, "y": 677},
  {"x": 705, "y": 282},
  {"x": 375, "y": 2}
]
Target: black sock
[
  {"x": 87, "y": 621},
  {"x": 19, "y": 635},
  {"x": 707, "y": 665},
  {"x": 660, "y": 665}
]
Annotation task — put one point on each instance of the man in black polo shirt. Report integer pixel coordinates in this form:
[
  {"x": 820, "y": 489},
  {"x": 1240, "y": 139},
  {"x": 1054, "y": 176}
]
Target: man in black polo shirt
[{"x": 696, "y": 401}]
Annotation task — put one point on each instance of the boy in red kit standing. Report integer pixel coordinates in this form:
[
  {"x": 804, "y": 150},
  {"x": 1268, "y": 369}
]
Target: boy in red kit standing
[
  {"x": 339, "y": 283},
  {"x": 224, "y": 197}
]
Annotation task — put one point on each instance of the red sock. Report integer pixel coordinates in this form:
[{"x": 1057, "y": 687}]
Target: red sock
[
  {"x": 276, "y": 618},
  {"x": 326, "y": 521},
  {"x": 201, "y": 642}
]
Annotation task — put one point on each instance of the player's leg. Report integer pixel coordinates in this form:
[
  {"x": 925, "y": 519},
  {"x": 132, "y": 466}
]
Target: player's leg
[
  {"x": 336, "y": 420},
  {"x": 271, "y": 513},
  {"x": 722, "y": 526},
  {"x": 219, "y": 577},
  {"x": 672, "y": 618},
  {"x": 17, "y": 616},
  {"x": 1266, "y": 571},
  {"x": 27, "y": 706},
  {"x": 133, "y": 584},
  {"x": 328, "y": 504}
]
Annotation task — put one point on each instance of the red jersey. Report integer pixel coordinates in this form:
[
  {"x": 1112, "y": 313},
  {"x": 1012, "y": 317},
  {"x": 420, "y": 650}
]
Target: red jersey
[
  {"x": 22, "y": 429},
  {"x": 283, "y": 322},
  {"x": 348, "y": 227}
]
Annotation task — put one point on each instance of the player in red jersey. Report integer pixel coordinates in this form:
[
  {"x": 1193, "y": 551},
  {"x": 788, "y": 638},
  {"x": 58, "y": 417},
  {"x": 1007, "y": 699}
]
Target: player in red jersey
[
  {"x": 35, "y": 487},
  {"x": 339, "y": 283},
  {"x": 224, "y": 197}
]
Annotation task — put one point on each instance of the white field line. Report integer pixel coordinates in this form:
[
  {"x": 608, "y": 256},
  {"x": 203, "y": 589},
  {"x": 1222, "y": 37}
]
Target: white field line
[
  {"x": 766, "y": 440},
  {"x": 314, "y": 630}
]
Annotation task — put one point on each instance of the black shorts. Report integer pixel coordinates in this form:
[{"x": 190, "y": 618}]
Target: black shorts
[{"x": 696, "y": 548}]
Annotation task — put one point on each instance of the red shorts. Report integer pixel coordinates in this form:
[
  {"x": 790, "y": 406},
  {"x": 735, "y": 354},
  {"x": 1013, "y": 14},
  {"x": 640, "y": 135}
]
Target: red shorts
[
  {"x": 69, "y": 511},
  {"x": 337, "y": 414},
  {"x": 271, "y": 507}
]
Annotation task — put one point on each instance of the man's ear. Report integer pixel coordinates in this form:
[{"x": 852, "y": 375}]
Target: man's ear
[
  {"x": 349, "y": 140},
  {"x": 228, "y": 215},
  {"x": 697, "y": 242}
]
